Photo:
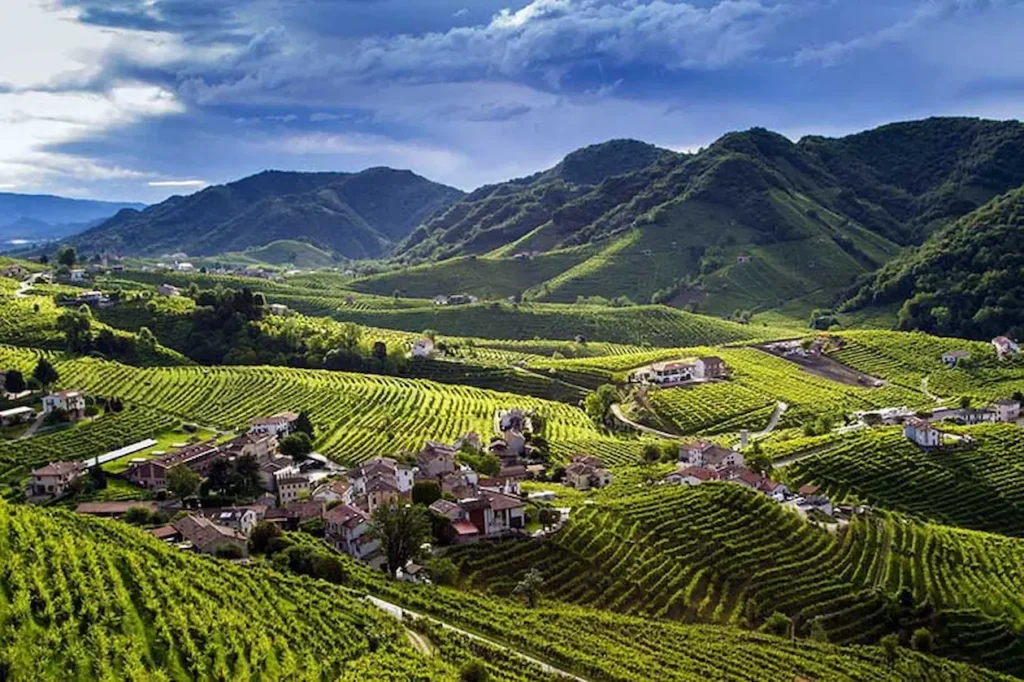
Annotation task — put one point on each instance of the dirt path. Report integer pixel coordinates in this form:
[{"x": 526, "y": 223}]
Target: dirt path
[
  {"x": 31, "y": 430},
  {"x": 924, "y": 389},
  {"x": 420, "y": 642},
  {"x": 780, "y": 409},
  {"x": 618, "y": 414},
  {"x": 399, "y": 612}
]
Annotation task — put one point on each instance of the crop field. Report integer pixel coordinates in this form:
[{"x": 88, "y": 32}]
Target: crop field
[
  {"x": 976, "y": 485},
  {"x": 92, "y": 599},
  {"x": 723, "y": 554},
  {"x": 80, "y": 441},
  {"x": 357, "y": 416},
  {"x": 704, "y": 407}
]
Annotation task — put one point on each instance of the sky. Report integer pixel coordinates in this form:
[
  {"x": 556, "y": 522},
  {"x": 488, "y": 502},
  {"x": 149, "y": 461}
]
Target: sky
[{"x": 141, "y": 99}]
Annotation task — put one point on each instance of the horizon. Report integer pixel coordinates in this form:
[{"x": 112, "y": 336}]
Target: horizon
[{"x": 145, "y": 99}]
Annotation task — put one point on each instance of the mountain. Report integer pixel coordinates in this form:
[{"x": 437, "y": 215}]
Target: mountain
[
  {"x": 966, "y": 280},
  {"x": 754, "y": 221},
  {"x": 44, "y": 216},
  {"x": 357, "y": 215}
]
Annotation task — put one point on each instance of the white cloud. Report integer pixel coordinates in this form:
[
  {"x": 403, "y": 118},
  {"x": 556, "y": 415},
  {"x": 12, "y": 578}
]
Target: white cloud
[
  {"x": 370, "y": 150},
  {"x": 177, "y": 183}
]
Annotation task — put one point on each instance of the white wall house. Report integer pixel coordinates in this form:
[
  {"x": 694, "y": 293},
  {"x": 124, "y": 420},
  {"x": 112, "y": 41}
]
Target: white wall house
[
  {"x": 72, "y": 402},
  {"x": 923, "y": 433}
]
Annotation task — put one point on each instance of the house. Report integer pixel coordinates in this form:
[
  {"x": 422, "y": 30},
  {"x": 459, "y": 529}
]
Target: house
[
  {"x": 586, "y": 472},
  {"x": 209, "y": 537},
  {"x": 951, "y": 358},
  {"x": 71, "y": 403},
  {"x": 447, "y": 508},
  {"x": 115, "y": 509},
  {"x": 887, "y": 415},
  {"x": 94, "y": 299},
  {"x": 262, "y": 446},
  {"x": 56, "y": 478},
  {"x": 1005, "y": 347},
  {"x": 78, "y": 275},
  {"x": 166, "y": 533},
  {"x": 380, "y": 481},
  {"x": 464, "y": 532},
  {"x": 277, "y": 309},
  {"x": 291, "y": 487},
  {"x": 307, "y": 510},
  {"x": 168, "y": 290},
  {"x": 280, "y": 424},
  {"x": 692, "y": 475},
  {"x": 423, "y": 348},
  {"x": 14, "y": 271},
  {"x": 1007, "y": 409},
  {"x": 435, "y": 460},
  {"x": 493, "y": 513},
  {"x": 242, "y": 519},
  {"x": 922, "y": 433},
  {"x": 807, "y": 490},
  {"x": 348, "y": 530},
  {"x": 441, "y": 300},
  {"x": 703, "y": 453},
  {"x": 184, "y": 267},
  {"x": 743, "y": 258},
  {"x": 977, "y": 416},
  {"x": 667, "y": 372},
  {"x": 17, "y": 415},
  {"x": 275, "y": 468},
  {"x": 709, "y": 367},
  {"x": 333, "y": 491},
  {"x": 152, "y": 473}
]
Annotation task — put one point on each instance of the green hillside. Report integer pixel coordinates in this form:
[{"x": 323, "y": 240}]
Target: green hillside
[{"x": 964, "y": 281}]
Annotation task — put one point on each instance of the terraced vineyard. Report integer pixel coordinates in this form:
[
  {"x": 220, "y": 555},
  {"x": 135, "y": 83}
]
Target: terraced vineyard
[
  {"x": 357, "y": 416},
  {"x": 80, "y": 441},
  {"x": 704, "y": 407},
  {"x": 972, "y": 486},
  {"x": 723, "y": 554},
  {"x": 91, "y": 599}
]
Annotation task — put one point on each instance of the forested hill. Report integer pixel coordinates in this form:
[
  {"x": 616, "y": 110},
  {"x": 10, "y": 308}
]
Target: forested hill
[
  {"x": 358, "y": 215},
  {"x": 966, "y": 280}
]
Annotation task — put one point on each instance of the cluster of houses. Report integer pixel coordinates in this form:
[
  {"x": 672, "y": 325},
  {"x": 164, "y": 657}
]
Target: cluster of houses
[
  {"x": 70, "y": 403},
  {"x": 454, "y": 299},
  {"x": 706, "y": 368},
  {"x": 922, "y": 430},
  {"x": 92, "y": 298},
  {"x": 702, "y": 461},
  {"x": 1005, "y": 347}
]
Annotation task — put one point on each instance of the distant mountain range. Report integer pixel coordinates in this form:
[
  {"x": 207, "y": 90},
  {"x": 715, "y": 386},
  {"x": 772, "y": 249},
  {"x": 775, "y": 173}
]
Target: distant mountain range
[
  {"x": 356, "y": 215},
  {"x": 43, "y": 216}
]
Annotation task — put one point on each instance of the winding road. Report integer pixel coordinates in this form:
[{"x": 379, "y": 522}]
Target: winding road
[
  {"x": 399, "y": 613},
  {"x": 780, "y": 409}
]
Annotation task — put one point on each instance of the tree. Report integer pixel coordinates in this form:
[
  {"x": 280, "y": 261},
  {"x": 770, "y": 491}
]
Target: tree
[
  {"x": 548, "y": 516},
  {"x": 778, "y": 624},
  {"x": 137, "y": 516},
  {"x": 818, "y": 633},
  {"x": 474, "y": 670},
  {"x": 890, "y": 648},
  {"x": 67, "y": 256},
  {"x": 599, "y": 403},
  {"x": 651, "y": 453},
  {"x": 760, "y": 463},
  {"x": 261, "y": 535},
  {"x": 245, "y": 481},
  {"x": 14, "y": 382},
  {"x": 45, "y": 373},
  {"x": 965, "y": 402},
  {"x": 297, "y": 446},
  {"x": 182, "y": 482},
  {"x": 146, "y": 338},
  {"x": 401, "y": 530},
  {"x": 443, "y": 571},
  {"x": 229, "y": 551},
  {"x": 922, "y": 640},
  {"x": 380, "y": 350},
  {"x": 529, "y": 586},
  {"x": 425, "y": 492},
  {"x": 304, "y": 425},
  {"x": 76, "y": 327}
]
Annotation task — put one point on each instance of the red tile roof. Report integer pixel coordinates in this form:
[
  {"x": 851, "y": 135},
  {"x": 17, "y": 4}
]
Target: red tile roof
[{"x": 465, "y": 528}]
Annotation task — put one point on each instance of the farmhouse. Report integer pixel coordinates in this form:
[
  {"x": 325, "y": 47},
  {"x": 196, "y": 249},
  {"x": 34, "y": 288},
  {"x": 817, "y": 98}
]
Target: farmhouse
[
  {"x": 703, "y": 453},
  {"x": 348, "y": 531},
  {"x": 280, "y": 424},
  {"x": 78, "y": 275},
  {"x": 70, "y": 402},
  {"x": 184, "y": 267},
  {"x": 951, "y": 358},
  {"x": 209, "y": 537},
  {"x": 586, "y": 472},
  {"x": 333, "y": 491},
  {"x": 1007, "y": 409},
  {"x": 152, "y": 473},
  {"x": 670, "y": 372},
  {"x": 56, "y": 478},
  {"x": 709, "y": 367},
  {"x": 168, "y": 290},
  {"x": 435, "y": 460},
  {"x": 17, "y": 415},
  {"x": 692, "y": 475},
  {"x": 494, "y": 514},
  {"x": 291, "y": 487},
  {"x": 922, "y": 432},
  {"x": 277, "y": 309},
  {"x": 1005, "y": 347},
  {"x": 242, "y": 519}
]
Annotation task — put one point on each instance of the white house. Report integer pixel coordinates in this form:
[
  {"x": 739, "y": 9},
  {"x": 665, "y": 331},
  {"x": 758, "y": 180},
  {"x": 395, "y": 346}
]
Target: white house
[
  {"x": 348, "y": 530},
  {"x": 168, "y": 290},
  {"x": 56, "y": 477},
  {"x": 280, "y": 424},
  {"x": 1005, "y": 347},
  {"x": 1007, "y": 409},
  {"x": 922, "y": 433},
  {"x": 951, "y": 358},
  {"x": 708, "y": 367},
  {"x": 692, "y": 475},
  {"x": 586, "y": 472},
  {"x": 71, "y": 402},
  {"x": 703, "y": 453},
  {"x": 78, "y": 275},
  {"x": 743, "y": 258},
  {"x": 277, "y": 309},
  {"x": 423, "y": 348},
  {"x": 291, "y": 488},
  {"x": 16, "y": 415},
  {"x": 184, "y": 267}
]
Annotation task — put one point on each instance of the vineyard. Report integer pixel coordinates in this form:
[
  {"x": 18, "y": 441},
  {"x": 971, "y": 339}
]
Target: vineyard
[
  {"x": 723, "y": 554},
  {"x": 976, "y": 485},
  {"x": 90, "y": 599},
  {"x": 80, "y": 441},
  {"x": 357, "y": 416}
]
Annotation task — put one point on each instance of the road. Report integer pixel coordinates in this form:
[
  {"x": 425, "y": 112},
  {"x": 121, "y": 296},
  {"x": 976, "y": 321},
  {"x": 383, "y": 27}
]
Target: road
[
  {"x": 399, "y": 613},
  {"x": 617, "y": 412},
  {"x": 26, "y": 285},
  {"x": 780, "y": 409}
]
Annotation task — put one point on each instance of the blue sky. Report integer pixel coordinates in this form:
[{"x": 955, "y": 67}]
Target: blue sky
[{"x": 141, "y": 99}]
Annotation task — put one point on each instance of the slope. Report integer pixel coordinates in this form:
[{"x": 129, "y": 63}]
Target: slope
[
  {"x": 964, "y": 281},
  {"x": 357, "y": 214}
]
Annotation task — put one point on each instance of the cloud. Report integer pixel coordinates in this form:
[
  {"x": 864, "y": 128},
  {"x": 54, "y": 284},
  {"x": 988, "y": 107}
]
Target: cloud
[
  {"x": 460, "y": 12},
  {"x": 401, "y": 153},
  {"x": 177, "y": 183}
]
